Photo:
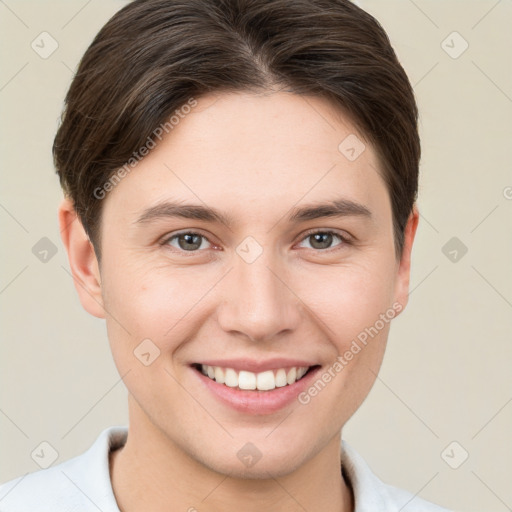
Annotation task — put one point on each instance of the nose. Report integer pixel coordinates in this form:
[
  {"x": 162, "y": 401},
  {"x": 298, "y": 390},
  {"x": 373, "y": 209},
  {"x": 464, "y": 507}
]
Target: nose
[{"x": 260, "y": 303}]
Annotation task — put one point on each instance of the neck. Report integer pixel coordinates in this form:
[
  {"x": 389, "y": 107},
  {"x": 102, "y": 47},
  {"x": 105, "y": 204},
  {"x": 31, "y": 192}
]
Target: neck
[{"x": 150, "y": 472}]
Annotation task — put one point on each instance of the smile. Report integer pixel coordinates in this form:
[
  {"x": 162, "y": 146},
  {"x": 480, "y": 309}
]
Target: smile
[
  {"x": 252, "y": 386},
  {"x": 262, "y": 381}
]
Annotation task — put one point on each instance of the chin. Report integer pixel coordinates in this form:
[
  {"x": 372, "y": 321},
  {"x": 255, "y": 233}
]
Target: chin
[
  {"x": 276, "y": 465},
  {"x": 258, "y": 456}
]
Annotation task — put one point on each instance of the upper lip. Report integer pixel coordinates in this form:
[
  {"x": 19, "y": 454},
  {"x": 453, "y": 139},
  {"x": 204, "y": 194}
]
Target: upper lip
[{"x": 255, "y": 366}]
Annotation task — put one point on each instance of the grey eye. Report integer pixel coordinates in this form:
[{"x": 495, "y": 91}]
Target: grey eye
[
  {"x": 189, "y": 242},
  {"x": 322, "y": 240}
]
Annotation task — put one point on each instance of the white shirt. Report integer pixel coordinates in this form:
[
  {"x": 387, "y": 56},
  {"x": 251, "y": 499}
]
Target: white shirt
[{"x": 82, "y": 484}]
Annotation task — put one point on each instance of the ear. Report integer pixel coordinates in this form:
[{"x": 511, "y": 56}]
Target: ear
[
  {"x": 404, "y": 268},
  {"x": 82, "y": 259}
]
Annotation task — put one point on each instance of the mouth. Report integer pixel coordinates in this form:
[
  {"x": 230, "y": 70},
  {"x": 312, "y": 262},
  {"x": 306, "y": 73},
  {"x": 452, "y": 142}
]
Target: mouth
[
  {"x": 252, "y": 381},
  {"x": 255, "y": 389}
]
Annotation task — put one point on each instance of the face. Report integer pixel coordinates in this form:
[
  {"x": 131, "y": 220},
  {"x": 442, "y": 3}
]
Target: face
[{"x": 268, "y": 289}]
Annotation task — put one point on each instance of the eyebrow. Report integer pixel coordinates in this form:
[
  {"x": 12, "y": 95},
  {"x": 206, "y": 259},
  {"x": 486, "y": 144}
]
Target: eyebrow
[{"x": 171, "y": 209}]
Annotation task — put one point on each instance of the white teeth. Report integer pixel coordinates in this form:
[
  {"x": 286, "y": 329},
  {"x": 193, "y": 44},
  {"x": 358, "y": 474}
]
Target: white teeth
[
  {"x": 301, "y": 372},
  {"x": 291, "y": 376},
  {"x": 263, "y": 381},
  {"x": 231, "y": 378},
  {"x": 219, "y": 375},
  {"x": 266, "y": 380},
  {"x": 246, "y": 380},
  {"x": 281, "y": 378}
]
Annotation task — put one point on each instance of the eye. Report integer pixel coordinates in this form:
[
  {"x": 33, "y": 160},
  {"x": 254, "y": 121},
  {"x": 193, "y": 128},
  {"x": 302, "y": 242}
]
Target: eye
[
  {"x": 322, "y": 240},
  {"x": 191, "y": 241},
  {"x": 188, "y": 241}
]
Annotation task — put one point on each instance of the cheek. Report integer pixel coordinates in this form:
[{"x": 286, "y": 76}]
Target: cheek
[
  {"x": 146, "y": 323},
  {"x": 147, "y": 304},
  {"x": 349, "y": 299}
]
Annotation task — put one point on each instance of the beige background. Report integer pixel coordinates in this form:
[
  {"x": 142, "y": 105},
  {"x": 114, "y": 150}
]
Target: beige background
[{"x": 446, "y": 376}]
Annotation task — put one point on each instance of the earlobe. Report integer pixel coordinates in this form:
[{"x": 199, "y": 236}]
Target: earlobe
[
  {"x": 82, "y": 259},
  {"x": 404, "y": 270}
]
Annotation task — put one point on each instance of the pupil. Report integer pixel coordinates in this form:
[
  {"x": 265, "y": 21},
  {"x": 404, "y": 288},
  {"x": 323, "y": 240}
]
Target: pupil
[
  {"x": 190, "y": 239},
  {"x": 327, "y": 239}
]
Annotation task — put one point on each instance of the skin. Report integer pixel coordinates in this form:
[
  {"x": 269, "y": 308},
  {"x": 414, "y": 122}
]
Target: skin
[{"x": 272, "y": 152}]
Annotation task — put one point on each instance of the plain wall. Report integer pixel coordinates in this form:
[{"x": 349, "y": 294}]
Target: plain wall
[{"x": 446, "y": 374}]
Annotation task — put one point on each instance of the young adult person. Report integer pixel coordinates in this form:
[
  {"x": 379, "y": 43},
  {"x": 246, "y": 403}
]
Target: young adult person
[{"x": 240, "y": 180}]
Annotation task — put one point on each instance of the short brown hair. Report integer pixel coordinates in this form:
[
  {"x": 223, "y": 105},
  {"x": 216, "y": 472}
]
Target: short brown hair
[{"x": 152, "y": 56}]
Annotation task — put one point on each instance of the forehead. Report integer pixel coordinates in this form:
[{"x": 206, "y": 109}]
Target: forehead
[
  {"x": 254, "y": 126},
  {"x": 259, "y": 150}
]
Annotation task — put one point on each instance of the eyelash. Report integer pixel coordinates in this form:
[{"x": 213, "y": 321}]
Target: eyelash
[{"x": 344, "y": 240}]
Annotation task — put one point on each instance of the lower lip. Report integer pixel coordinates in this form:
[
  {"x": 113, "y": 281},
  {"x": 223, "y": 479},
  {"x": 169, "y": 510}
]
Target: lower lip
[{"x": 257, "y": 402}]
